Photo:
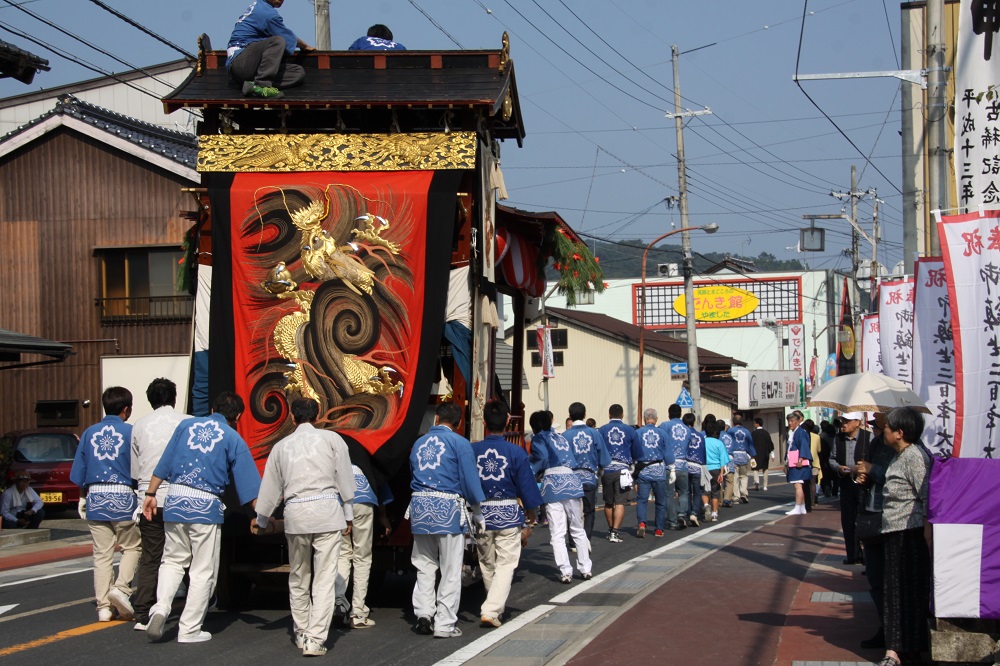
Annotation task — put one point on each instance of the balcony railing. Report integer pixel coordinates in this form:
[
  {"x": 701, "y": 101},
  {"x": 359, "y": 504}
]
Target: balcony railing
[{"x": 143, "y": 310}]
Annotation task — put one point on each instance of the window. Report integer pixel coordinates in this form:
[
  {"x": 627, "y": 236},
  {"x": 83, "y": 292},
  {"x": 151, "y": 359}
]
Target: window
[
  {"x": 140, "y": 284},
  {"x": 559, "y": 339},
  {"x": 536, "y": 359}
]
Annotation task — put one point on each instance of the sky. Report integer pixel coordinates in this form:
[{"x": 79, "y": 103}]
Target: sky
[{"x": 595, "y": 81}]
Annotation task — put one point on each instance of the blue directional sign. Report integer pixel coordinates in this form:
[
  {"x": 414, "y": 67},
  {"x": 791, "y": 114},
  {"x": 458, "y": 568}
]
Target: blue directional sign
[
  {"x": 678, "y": 369},
  {"x": 684, "y": 399}
]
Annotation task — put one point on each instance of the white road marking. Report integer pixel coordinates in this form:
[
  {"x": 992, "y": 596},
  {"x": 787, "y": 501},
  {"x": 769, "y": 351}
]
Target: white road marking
[
  {"x": 37, "y": 578},
  {"x": 46, "y": 609},
  {"x": 4, "y": 609}
]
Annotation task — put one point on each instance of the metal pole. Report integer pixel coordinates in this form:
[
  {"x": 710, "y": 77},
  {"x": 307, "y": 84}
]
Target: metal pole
[
  {"x": 322, "y": 24},
  {"x": 694, "y": 376},
  {"x": 855, "y": 262},
  {"x": 937, "y": 142}
]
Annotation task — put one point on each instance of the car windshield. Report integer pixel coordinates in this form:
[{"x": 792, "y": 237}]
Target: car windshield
[{"x": 46, "y": 447}]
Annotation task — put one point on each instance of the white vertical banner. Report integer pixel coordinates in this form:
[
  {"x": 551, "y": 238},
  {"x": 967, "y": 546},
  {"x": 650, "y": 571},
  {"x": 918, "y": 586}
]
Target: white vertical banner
[
  {"x": 970, "y": 244},
  {"x": 871, "y": 350},
  {"x": 797, "y": 349},
  {"x": 934, "y": 354},
  {"x": 977, "y": 117},
  {"x": 895, "y": 323},
  {"x": 544, "y": 334}
]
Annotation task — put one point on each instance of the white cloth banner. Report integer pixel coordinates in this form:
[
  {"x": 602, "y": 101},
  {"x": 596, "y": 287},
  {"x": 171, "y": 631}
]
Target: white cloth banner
[
  {"x": 971, "y": 247},
  {"x": 934, "y": 354},
  {"x": 977, "y": 121},
  {"x": 871, "y": 350},
  {"x": 895, "y": 325},
  {"x": 797, "y": 349},
  {"x": 544, "y": 334}
]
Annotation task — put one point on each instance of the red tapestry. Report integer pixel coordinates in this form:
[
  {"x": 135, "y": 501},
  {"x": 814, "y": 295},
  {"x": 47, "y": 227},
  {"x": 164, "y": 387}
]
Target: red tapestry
[{"x": 328, "y": 281}]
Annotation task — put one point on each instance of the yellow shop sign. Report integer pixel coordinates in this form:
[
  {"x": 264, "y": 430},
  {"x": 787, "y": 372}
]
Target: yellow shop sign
[{"x": 718, "y": 303}]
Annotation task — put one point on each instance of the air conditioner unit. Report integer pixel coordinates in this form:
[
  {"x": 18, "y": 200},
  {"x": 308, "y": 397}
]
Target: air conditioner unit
[{"x": 667, "y": 270}]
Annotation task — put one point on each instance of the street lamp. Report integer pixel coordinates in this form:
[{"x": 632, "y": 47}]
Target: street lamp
[{"x": 693, "y": 374}]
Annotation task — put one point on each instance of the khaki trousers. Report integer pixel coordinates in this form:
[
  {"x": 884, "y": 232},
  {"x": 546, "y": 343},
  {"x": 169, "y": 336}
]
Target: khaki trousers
[
  {"x": 195, "y": 547},
  {"x": 499, "y": 552},
  {"x": 312, "y": 560},
  {"x": 105, "y": 535},
  {"x": 356, "y": 552}
]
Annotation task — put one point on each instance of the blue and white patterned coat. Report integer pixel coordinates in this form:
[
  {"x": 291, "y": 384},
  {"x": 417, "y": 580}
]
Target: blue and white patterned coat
[
  {"x": 652, "y": 445},
  {"x": 103, "y": 467},
  {"x": 620, "y": 439},
  {"x": 443, "y": 478},
  {"x": 696, "y": 450},
  {"x": 197, "y": 462},
  {"x": 743, "y": 448},
  {"x": 552, "y": 456},
  {"x": 730, "y": 443},
  {"x": 505, "y": 475},
  {"x": 590, "y": 450},
  {"x": 678, "y": 437}
]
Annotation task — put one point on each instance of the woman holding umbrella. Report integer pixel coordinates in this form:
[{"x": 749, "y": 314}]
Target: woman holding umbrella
[{"x": 798, "y": 461}]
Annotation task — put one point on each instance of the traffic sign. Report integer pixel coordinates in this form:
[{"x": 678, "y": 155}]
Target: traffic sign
[
  {"x": 678, "y": 369},
  {"x": 684, "y": 399}
]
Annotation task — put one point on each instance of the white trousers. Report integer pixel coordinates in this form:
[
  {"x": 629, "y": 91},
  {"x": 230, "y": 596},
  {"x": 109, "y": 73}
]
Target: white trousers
[
  {"x": 194, "y": 547},
  {"x": 312, "y": 560},
  {"x": 356, "y": 552},
  {"x": 499, "y": 552},
  {"x": 105, "y": 535},
  {"x": 563, "y": 515},
  {"x": 431, "y": 553}
]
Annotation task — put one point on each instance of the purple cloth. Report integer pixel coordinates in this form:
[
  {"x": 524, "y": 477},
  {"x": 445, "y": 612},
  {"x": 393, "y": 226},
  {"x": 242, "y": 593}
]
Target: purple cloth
[{"x": 960, "y": 494}]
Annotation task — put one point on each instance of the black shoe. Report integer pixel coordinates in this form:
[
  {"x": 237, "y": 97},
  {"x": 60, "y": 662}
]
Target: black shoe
[
  {"x": 727, "y": 504},
  {"x": 876, "y": 641},
  {"x": 744, "y": 500},
  {"x": 424, "y": 626}
]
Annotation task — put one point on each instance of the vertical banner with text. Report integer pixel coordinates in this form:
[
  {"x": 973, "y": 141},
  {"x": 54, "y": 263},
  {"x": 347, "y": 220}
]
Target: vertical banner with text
[
  {"x": 871, "y": 349},
  {"x": 934, "y": 354},
  {"x": 797, "y": 349},
  {"x": 977, "y": 117},
  {"x": 970, "y": 244},
  {"x": 895, "y": 324},
  {"x": 545, "y": 351}
]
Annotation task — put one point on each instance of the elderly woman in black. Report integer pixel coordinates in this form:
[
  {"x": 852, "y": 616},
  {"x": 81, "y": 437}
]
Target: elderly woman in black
[{"x": 907, "y": 537}]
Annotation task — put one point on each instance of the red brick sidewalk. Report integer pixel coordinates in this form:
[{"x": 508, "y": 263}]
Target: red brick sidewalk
[{"x": 752, "y": 602}]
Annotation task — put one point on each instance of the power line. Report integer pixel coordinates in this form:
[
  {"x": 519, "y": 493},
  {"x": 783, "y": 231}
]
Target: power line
[
  {"x": 436, "y": 24},
  {"x": 143, "y": 28}
]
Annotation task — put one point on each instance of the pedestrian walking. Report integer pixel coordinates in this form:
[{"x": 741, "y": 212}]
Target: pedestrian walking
[
  {"x": 697, "y": 476},
  {"x": 764, "y": 447},
  {"x": 616, "y": 480},
  {"x": 591, "y": 457},
  {"x": 678, "y": 435},
  {"x": 798, "y": 461},
  {"x": 716, "y": 460},
  {"x": 654, "y": 470},
  {"x": 743, "y": 452}
]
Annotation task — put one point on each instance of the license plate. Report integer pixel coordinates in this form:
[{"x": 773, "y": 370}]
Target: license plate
[{"x": 51, "y": 498}]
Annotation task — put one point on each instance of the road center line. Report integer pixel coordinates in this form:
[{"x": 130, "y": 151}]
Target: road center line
[
  {"x": 46, "y": 609},
  {"x": 61, "y": 636}
]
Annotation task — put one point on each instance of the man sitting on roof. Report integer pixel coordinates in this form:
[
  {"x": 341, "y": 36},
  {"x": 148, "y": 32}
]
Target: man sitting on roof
[
  {"x": 257, "y": 55},
  {"x": 379, "y": 38}
]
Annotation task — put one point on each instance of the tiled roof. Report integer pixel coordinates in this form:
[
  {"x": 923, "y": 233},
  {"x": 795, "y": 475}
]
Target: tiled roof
[
  {"x": 19, "y": 343},
  {"x": 177, "y": 146},
  {"x": 19, "y": 64}
]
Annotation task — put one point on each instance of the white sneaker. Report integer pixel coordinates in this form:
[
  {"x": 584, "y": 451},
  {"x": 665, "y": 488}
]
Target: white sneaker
[
  {"x": 797, "y": 510},
  {"x": 313, "y": 649},
  {"x": 714, "y": 518},
  {"x": 104, "y": 615},
  {"x": 358, "y": 622},
  {"x": 139, "y": 626},
  {"x": 693, "y": 519},
  {"x": 300, "y": 639},
  {"x": 154, "y": 628},
  {"x": 122, "y": 604},
  {"x": 454, "y": 632},
  {"x": 706, "y": 513},
  {"x": 613, "y": 537},
  {"x": 200, "y": 637}
]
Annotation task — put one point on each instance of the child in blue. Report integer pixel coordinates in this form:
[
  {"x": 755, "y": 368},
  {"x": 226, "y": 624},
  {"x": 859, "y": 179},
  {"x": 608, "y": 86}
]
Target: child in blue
[
  {"x": 103, "y": 470},
  {"x": 444, "y": 479},
  {"x": 655, "y": 465},
  {"x": 506, "y": 478},
  {"x": 620, "y": 440},
  {"x": 562, "y": 489},
  {"x": 591, "y": 455},
  {"x": 198, "y": 462},
  {"x": 678, "y": 436}
]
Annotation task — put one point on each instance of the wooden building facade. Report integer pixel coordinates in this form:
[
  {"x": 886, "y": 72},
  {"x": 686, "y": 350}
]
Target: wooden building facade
[{"x": 92, "y": 221}]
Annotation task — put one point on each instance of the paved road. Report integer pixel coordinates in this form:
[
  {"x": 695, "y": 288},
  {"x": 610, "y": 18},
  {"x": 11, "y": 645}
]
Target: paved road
[{"x": 54, "y": 620}]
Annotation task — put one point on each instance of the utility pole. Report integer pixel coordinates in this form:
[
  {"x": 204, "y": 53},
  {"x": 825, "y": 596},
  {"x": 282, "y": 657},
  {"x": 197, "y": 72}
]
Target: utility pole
[
  {"x": 322, "y": 24},
  {"x": 937, "y": 142}
]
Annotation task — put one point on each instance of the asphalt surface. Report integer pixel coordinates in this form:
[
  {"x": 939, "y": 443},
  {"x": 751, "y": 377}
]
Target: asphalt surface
[{"x": 53, "y": 619}]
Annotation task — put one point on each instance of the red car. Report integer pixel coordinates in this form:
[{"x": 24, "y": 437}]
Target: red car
[{"x": 47, "y": 455}]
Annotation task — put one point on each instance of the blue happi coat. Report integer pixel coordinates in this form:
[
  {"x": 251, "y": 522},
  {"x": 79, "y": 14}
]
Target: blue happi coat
[
  {"x": 443, "y": 478},
  {"x": 729, "y": 442},
  {"x": 552, "y": 456},
  {"x": 620, "y": 438},
  {"x": 651, "y": 445},
  {"x": 696, "y": 452},
  {"x": 365, "y": 494},
  {"x": 678, "y": 437},
  {"x": 103, "y": 466},
  {"x": 197, "y": 462},
  {"x": 505, "y": 475},
  {"x": 590, "y": 450},
  {"x": 743, "y": 448}
]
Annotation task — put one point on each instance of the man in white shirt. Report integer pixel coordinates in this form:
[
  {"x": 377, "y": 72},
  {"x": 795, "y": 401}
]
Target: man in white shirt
[
  {"x": 310, "y": 472},
  {"x": 21, "y": 506},
  {"x": 150, "y": 436}
]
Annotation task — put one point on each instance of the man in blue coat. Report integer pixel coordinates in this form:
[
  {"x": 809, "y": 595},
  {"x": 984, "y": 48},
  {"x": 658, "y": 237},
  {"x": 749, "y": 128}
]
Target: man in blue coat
[
  {"x": 258, "y": 50},
  {"x": 508, "y": 484},
  {"x": 743, "y": 452},
  {"x": 103, "y": 470},
  {"x": 444, "y": 480},
  {"x": 678, "y": 435},
  {"x": 654, "y": 465},
  {"x": 620, "y": 440},
  {"x": 591, "y": 456}
]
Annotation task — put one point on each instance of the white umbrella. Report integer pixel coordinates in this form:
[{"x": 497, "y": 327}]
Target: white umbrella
[{"x": 866, "y": 392}]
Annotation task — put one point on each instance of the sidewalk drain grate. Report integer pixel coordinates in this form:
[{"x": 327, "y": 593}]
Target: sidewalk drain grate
[
  {"x": 859, "y": 597},
  {"x": 571, "y": 617},
  {"x": 526, "y": 648},
  {"x": 624, "y": 584}
]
